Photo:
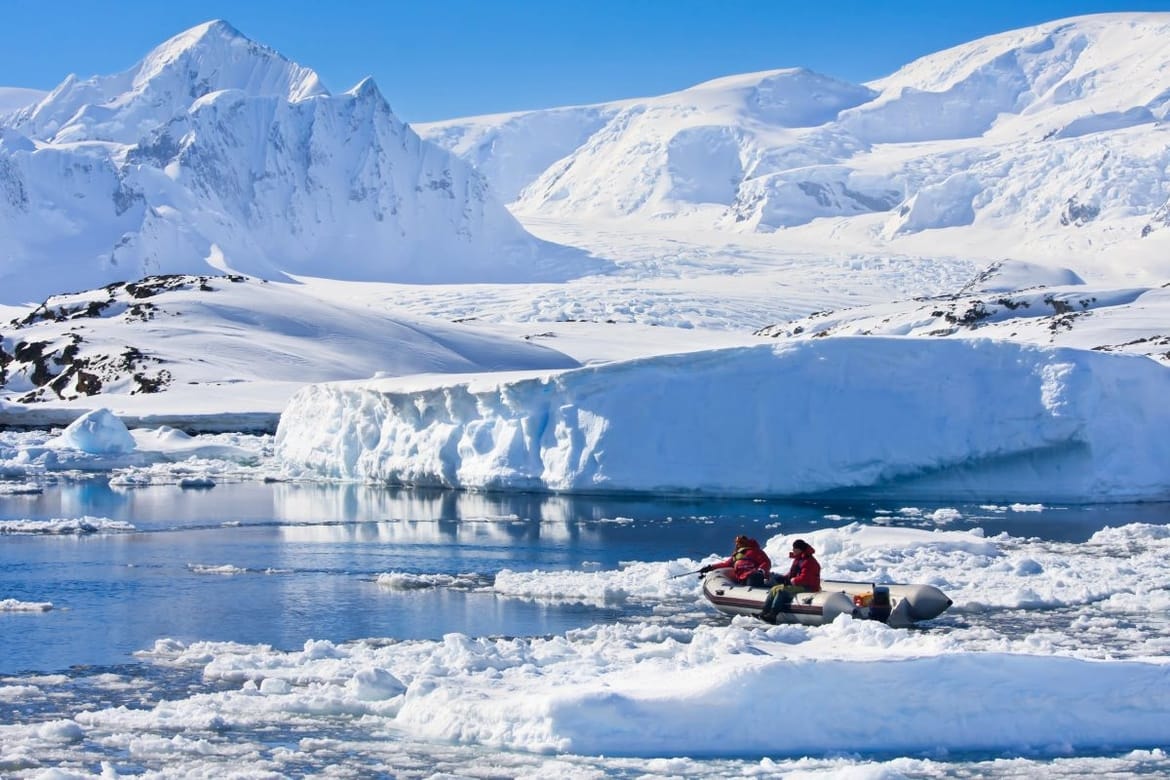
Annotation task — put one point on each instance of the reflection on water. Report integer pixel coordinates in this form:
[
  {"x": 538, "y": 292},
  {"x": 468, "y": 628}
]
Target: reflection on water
[
  {"x": 432, "y": 515},
  {"x": 282, "y": 563}
]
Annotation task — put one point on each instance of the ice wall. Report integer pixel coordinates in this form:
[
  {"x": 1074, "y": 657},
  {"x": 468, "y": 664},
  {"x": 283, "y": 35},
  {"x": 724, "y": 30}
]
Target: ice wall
[{"x": 956, "y": 419}]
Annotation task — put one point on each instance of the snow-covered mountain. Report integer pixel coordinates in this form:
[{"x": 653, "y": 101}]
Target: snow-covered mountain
[
  {"x": 1047, "y": 143},
  {"x": 214, "y": 154},
  {"x": 512, "y": 150},
  {"x": 653, "y": 157}
]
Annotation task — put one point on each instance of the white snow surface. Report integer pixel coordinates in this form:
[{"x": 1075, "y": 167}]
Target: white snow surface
[
  {"x": 618, "y": 691},
  {"x": 219, "y": 345},
  {"x": 811, "y": 291}
]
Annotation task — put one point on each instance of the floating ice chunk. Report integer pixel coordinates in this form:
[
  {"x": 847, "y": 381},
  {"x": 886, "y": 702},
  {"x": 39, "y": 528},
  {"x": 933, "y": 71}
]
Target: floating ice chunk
[
  {"x": 375, "y": 684},
  {"x": 61, "y": 731},
  {"x": 99, "y": 432},
  {"x": 197, "y": 482},
  {"x": 65, "y": 525},
  {"x": 274, "y": 686},
  {"x": 12, "y": 605},
  {"x": 20, "y": 489}
]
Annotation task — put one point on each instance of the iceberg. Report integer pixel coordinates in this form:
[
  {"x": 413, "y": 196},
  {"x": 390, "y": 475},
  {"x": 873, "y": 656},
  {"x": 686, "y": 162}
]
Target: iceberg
[
  {"x": 99, "y": 432},
  {"x": 972, "y": 419}
]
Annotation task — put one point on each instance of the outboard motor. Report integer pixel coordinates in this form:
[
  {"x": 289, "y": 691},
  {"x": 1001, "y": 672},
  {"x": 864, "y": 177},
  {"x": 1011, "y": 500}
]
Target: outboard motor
[{"x": 879, "y": 608}]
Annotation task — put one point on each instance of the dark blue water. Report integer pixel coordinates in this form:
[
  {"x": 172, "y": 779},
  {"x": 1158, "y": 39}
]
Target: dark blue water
[{"x": 304, "y": 560}]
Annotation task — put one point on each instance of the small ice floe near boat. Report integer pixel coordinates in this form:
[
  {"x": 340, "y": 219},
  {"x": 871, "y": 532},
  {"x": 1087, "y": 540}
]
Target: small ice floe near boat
[{"x": 895, "y": 605}]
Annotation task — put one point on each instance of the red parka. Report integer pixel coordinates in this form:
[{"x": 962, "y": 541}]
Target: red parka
[
  {"x": 747, "y": 558},
  {"x": 805, "y": 570}
]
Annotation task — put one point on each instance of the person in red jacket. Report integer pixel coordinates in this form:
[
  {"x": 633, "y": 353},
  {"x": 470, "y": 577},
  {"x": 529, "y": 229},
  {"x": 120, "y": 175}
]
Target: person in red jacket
[
  {"x": 749, "y": 564},
  {"x": 804, "y": 576}
]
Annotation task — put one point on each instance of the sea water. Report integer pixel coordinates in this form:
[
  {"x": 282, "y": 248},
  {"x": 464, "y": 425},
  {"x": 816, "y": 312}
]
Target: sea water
[{"x": 282, "y": 564}]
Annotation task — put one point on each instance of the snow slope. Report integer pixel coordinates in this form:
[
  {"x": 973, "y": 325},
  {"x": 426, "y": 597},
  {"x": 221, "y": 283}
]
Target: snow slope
[
  {"x": 512, "y": 150},
  {"x": 219, "y": 344}
]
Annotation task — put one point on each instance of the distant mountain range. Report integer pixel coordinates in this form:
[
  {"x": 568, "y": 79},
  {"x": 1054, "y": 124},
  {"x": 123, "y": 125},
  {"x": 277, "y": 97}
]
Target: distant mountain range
[
  {"x": 1048, "y": 142},
  {"x": 217, "y": 154}
]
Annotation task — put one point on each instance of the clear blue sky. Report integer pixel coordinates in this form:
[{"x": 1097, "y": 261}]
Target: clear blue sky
[{"x": 440, "y": 59}]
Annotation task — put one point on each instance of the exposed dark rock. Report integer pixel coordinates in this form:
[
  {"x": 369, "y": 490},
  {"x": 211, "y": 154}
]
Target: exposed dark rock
[
  {"x": 1077, "y": 213},
  {"x": 66, "y": 367},
  {"x": 1159, "y": 219}
]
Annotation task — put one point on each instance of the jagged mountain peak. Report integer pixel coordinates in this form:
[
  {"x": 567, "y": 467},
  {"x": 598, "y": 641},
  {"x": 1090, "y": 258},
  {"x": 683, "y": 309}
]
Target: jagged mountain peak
[
  {"x": 366, "y": 89},
  {"x": 205, "y": 59},
  {"x": 215, "y": 30},
  {"x": 215, "y": 55}
]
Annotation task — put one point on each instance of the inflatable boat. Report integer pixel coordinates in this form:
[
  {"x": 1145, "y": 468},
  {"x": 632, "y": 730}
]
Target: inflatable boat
[{"x": 895, "y": 605}]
